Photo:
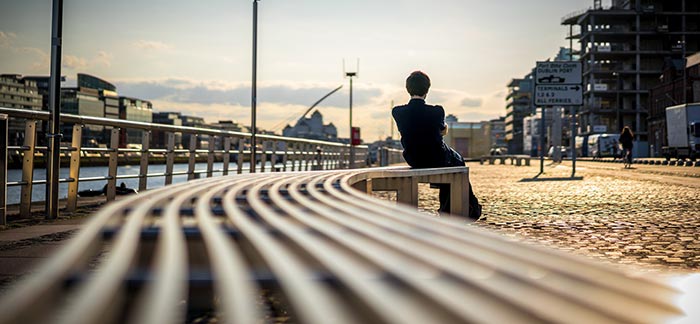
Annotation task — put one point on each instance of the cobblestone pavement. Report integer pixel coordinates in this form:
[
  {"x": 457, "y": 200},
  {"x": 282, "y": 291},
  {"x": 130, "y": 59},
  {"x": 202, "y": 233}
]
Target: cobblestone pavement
[{"x": 647, "y": 218}]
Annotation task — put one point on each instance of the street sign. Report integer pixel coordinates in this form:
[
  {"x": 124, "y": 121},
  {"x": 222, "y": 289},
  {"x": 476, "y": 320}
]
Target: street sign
[
  {"x": 558, "y": 73},
  {"x": 559, "y": 95}
]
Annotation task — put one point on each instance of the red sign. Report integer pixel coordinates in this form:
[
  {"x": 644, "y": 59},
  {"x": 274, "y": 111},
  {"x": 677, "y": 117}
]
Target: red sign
[{"x": 356, "y": 136}]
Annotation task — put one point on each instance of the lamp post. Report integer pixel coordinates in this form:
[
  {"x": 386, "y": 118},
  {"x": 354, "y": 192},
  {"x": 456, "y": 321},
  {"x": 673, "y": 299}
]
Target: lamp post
[
  {"x": 352, "y": 147},
  {"x": 351, "y": 75},
  {"x": 253, "y": 88},
  {"x": 54, "y": 134}
]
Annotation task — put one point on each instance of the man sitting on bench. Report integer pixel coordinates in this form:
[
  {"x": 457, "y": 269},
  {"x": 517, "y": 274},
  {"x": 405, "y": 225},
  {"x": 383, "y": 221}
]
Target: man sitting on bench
[{"x": 422, "y": 127}]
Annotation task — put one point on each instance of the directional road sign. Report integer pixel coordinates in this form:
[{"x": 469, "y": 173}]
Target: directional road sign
[
  {"x": 558, "y": 73},
  {"x": 559, "y": 95}
]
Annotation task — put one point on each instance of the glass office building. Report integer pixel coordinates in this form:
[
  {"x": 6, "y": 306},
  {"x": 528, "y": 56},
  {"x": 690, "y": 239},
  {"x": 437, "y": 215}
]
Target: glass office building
[{"x": 133, "y": 109}]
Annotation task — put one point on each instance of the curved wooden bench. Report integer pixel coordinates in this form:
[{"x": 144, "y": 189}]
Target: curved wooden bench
[{"x": 333, "y": 253}]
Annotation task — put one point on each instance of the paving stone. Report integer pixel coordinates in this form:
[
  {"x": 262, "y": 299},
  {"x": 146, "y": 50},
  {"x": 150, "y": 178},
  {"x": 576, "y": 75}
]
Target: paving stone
[{"x": 646, "y": 217}]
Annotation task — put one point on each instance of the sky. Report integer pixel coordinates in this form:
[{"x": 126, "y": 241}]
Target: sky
[{"x": 195, "y": 57}]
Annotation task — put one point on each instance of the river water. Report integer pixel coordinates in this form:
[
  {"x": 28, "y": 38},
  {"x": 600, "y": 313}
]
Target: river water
[{"x": 38, "y": 193}]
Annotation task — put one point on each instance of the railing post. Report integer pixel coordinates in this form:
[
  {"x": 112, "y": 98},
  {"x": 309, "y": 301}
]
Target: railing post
[
  {"x": 273, "y": 157},
  {"x": 336, "y": 158},
  {"x": 74, "y": 171},
  {"x": 113, "y": 156},
  {"x": 143, "y": 171},
  {"x": 25, "y": 204},
  {"x": 239, "y": 160},
  {"x": 253, "y": 158},
  {"x": 295, "y": 156},
  {"x": 263, "y": 156},
  {"x": 284, "y": 156},
  {"x": 227, "y": 154},
  {"x": 307, "y": 156},
  {"x": 321, "y": 156},
  {"x": 3, "y": 169},
  {"x": 318, "y": 163},
  {"x": 169, "y": 158},
  {"x": 210, "y": 156},
  {"x": 192, "y": 157}
]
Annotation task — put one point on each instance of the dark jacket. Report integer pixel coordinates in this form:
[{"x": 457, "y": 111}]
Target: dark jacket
[
  {"x": 420, "y": 126},
  {"x": 627, "y": 141}
]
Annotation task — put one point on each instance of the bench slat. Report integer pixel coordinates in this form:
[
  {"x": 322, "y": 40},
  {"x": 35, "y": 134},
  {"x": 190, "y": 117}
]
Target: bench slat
[{"x": 334, "y": 253}]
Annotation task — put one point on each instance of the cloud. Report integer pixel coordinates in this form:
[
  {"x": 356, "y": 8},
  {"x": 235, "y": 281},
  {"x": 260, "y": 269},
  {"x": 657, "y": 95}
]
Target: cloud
[
  {"x": 80, "y": 64},
  {"x": 103, "y": 58},
  {"x": 217, "y": 92},
  {"x": 7, "y": 38},
  {"x": 472, "y": 102},
  {"x": 41, "y": 61},
  {"x": 151, "y": 45},
  {"x": 74, "y": 62},
  {"x": 38, "y": 59}
]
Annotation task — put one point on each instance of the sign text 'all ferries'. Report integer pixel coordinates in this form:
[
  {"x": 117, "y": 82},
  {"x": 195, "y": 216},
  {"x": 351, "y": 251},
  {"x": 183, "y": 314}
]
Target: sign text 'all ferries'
[
  {"x": 559, "y": 95},
  {"x": 558, "y": 72}
]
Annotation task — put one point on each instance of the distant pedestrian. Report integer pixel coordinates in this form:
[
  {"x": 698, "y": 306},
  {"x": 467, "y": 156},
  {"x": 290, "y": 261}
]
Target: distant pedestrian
[
  {"x": 627, "y": 142},
  {"x": 422, "y": 127}
]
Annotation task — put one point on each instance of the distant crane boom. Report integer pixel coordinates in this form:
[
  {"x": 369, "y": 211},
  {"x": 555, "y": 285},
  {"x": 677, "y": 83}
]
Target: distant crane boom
[{"x": 320, "y": 100}]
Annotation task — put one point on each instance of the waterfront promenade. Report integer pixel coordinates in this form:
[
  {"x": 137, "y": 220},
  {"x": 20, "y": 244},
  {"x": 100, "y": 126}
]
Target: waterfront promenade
[{"x": 642, "y": 219}]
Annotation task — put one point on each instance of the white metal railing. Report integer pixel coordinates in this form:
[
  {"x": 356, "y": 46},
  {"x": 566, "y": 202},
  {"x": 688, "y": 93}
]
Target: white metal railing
[
  {"x": 389, "y": 156},
  {"x": 276, "y": 153}
]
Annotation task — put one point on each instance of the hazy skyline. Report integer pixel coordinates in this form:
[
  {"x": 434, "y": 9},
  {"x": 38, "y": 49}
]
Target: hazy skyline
[{"x": 195, "y": 57}]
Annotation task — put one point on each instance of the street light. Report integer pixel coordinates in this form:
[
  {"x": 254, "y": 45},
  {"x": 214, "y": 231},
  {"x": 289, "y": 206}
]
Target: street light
[
  {"x": 54, "y": 134},
  {"x": 253, "y": 88},
  {"x": 351, "y": 75}
]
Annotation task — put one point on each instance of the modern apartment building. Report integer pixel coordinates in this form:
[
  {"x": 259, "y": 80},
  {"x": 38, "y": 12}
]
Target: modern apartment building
[
  {"x": 497, "y": 133},
  {"x": 133, "y": 109},
  {"x": 623, "y": 48},
  {"x": 518, "y": 106},
  {"x": 159, "y": 139},
  {"x": 83, "y": 102},
  {"x": 532, "y": 131},
  {"x": 193, "y": 121},
  {"x": 17, "y": 92}
]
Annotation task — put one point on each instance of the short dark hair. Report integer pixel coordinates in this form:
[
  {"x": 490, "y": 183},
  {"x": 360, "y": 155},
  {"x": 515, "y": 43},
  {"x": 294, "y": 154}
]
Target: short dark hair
[{"x": 418, "y": 83}]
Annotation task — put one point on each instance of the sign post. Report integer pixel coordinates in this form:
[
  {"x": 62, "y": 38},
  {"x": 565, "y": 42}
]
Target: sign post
[{"x": 558, "y": 83}]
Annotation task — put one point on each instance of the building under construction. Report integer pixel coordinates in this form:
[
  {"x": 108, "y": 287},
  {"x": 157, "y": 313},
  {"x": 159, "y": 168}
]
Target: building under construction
[{"x": 623, "y": 48}]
